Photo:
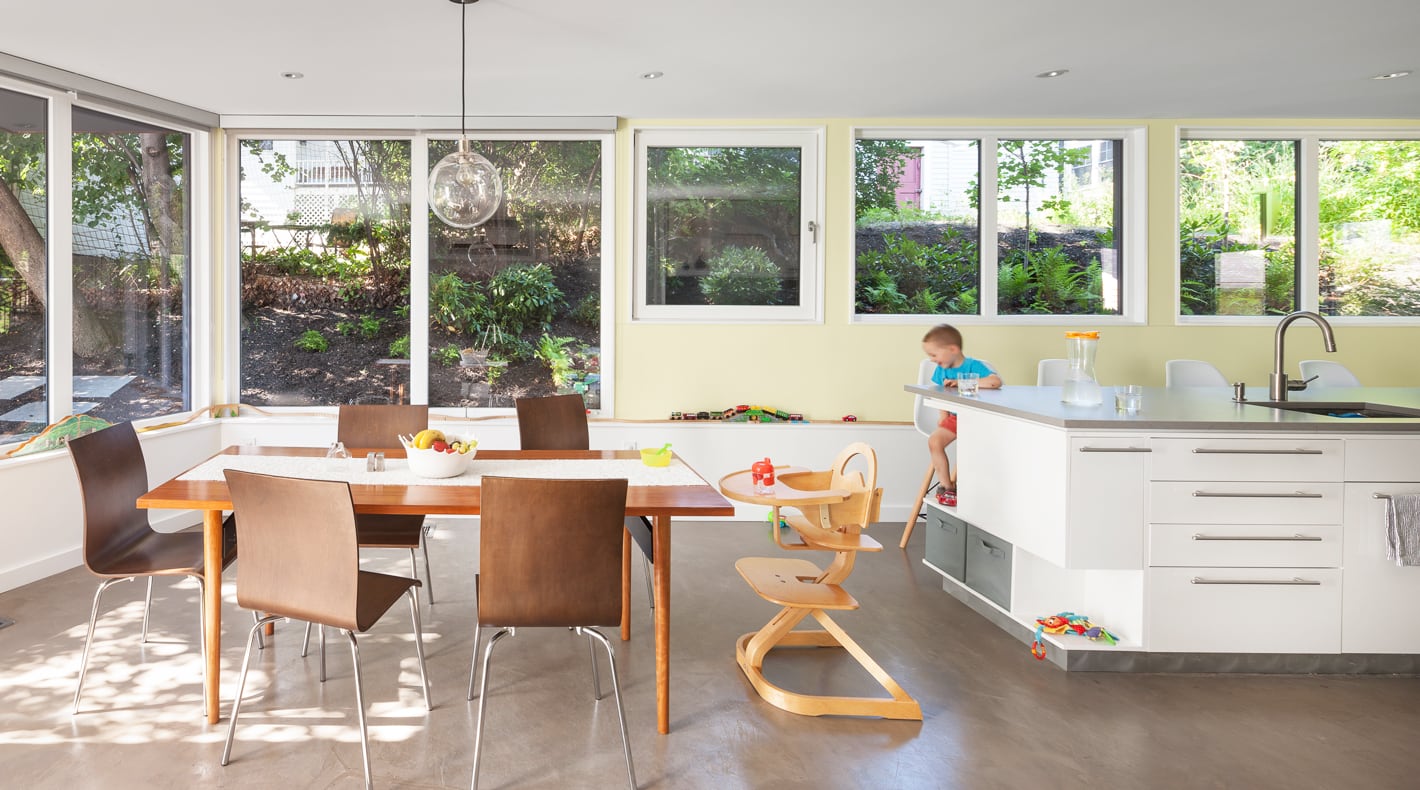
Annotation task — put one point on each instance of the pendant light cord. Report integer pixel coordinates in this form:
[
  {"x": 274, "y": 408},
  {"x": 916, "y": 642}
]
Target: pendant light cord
[{"x": 463, "y": 71}]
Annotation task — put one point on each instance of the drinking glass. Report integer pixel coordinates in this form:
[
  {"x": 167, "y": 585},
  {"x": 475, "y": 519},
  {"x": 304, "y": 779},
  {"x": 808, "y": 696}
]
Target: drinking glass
[
  {"x": 967, "y": 384},
  {"x": 337, "y": 450},
  {"x": 1128, "y": 398}
]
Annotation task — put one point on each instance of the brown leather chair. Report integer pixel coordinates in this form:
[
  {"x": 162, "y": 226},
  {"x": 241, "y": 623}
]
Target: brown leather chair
[
  {"x": 301, "y": 560},
  {"x": 549, "y": 556},
  {"x": 559, "y": 422},
  {"x": 119, "y": 544},
  {"x": 378, "y": 427}
]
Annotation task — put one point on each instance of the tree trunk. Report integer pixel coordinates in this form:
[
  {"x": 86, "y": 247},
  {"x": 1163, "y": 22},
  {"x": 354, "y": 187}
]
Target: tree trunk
[
  {"x": 26, "y": 249},
  {"x": 161, "y": 193}
]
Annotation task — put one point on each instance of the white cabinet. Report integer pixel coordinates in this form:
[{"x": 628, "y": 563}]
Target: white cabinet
[
  {"x": 1378, "y": 597},
  {"x": 1220, "y": 457},
  {"x": 1105, "y": 508},
  {"x": 1245, "y": 545},
  {"x": 1244, "y": 610}
]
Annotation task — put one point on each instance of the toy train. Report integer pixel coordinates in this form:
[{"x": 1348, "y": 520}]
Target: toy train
[{"x": 741, "y": 413}]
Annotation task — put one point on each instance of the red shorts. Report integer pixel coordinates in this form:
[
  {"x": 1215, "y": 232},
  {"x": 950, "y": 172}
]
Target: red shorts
[{"x": 949, "y": 421}]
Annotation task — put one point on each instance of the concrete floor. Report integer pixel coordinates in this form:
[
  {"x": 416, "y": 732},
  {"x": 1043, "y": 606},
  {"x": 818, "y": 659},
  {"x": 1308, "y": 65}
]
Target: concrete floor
[{"x": 993, "y": 716}]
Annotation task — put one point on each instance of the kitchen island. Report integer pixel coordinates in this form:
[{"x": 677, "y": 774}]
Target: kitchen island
[{"x": 1208, "y": 535}]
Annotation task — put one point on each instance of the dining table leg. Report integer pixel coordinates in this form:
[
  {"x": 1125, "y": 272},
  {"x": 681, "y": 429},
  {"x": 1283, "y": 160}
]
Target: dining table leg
[
  {"x": 661, "y": 570},
  {"x": 625, "y": 585},
  {"x": 212, "y": 604}
]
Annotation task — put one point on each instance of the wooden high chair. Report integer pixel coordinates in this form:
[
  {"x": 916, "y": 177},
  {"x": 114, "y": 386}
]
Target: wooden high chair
[{"x": 834, "y": 506}]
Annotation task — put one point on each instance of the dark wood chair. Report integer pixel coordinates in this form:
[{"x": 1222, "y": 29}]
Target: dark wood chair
[
  {"x": 119, "y": 543},
  {"x": 378, "y": 427},
  {"x": 301, "y": 560},
  {"x": 550, "y": 557},
  {"x": 559, "y": 422}
]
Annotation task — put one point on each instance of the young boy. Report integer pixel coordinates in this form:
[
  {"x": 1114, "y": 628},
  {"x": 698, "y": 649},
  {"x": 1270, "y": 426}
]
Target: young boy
[{"x": 943, "y": 344}]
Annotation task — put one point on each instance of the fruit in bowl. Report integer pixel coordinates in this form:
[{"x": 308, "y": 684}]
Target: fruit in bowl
[{"x": 433, "y": 454}]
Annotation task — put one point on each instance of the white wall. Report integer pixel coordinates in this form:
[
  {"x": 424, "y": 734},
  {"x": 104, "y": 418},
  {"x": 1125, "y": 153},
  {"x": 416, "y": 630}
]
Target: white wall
[{"x": 42, "y": 532}]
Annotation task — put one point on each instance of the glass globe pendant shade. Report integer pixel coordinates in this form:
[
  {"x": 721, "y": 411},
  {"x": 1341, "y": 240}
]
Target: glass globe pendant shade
[{"x": 464, "y": 189}]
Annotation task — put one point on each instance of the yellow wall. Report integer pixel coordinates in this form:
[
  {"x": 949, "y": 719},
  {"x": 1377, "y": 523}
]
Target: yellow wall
[{"x": 837, "y": 368}]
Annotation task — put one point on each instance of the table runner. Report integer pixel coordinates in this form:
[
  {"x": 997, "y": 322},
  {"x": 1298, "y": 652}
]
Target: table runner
[{"x": 352, "y": 470}]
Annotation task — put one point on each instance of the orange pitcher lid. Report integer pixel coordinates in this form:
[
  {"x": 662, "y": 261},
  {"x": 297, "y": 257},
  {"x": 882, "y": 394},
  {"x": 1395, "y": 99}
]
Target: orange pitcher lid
[{"x": 1083, "y": 335}]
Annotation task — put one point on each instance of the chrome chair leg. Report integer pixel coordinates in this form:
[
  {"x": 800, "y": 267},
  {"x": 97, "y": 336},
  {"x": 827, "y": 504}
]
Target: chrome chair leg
[
  {"x": 241, "y": 686},
  {"x": 202, "y": 631},
  {"x": 428, "y": 569},
  {"x": 473, "y": 668},
  {"x": 482, "y": 701},
  {"x": 260, "y": 637},
  {"x": 650, "y": 594},
  {"x": 89, "y": 640},
  {"x": 616, "y": 692},
  {"x": 360, "y": 709},
  {"x": 306, "y": 641},
  {"x": 147, "y": 609},
  {"x": 596, "y": 674},
  {"x": 419, "y": 646},
  {"x": 321, "y": 644}
]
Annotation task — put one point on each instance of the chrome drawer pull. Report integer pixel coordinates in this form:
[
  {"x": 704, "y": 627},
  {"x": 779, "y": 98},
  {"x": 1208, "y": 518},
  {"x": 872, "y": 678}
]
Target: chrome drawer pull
[
  {"x": 1298, "y": 451},
  {"x": 1296, "y": 581},
  {"x": 1298, "y": 537},
  {"x": 1380, "y": 496},
  {"x": 1116, "y": 449},
  {"x": 1262, "y": 495}
]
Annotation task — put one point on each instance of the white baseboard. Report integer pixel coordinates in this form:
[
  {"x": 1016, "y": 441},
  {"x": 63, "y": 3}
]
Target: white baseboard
[{"x": 20, "y": 575}]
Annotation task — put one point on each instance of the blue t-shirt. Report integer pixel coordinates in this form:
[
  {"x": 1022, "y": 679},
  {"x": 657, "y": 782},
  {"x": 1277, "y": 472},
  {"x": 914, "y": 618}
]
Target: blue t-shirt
[{"x": 968, "y": 365}]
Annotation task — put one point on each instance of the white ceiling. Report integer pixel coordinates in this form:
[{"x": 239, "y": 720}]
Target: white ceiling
[{"x": 744, "y": 58}]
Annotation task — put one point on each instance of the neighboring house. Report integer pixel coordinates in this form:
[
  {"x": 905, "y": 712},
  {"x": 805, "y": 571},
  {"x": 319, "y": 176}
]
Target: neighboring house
[
  {"x": 940, "y": 178},
  {"x": 322, "y": 185}
]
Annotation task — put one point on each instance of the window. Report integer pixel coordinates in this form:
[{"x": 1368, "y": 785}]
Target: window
[
  {"x": 1059, "y": 238},
  {"x": 325, "y": 263},
  {"x": 24, "y": 277},
  {"x": 132, "y": 261},
  {"x": 1256, "y": 239},
  {"x": 1237, "y": 226},
  {"x": 515, "y": 304},
  {"x": 1369, "y": 223},
  {"x": 727, "y": 225}
]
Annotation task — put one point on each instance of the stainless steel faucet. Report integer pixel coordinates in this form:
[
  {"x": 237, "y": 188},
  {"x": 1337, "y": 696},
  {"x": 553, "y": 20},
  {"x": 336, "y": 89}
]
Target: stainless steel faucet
[{"x": 1277, "y": 382}]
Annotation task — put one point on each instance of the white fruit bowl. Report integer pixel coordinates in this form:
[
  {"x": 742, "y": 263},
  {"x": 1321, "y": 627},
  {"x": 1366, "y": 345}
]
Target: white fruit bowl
[{"x": 434, "y": 464}]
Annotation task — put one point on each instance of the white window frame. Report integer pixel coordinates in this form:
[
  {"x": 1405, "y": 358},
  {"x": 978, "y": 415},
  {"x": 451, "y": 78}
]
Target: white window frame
[
  {"x": 1308, "y": 231},
  {"x": 59, "y": 244},
  {"x": 809, "y": 141},
  {"x": 340, "y": 128},
  {"x": 1134, "y": 214}
]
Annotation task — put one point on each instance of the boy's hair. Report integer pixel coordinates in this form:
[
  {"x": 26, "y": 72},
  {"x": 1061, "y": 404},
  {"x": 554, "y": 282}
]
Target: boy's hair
[{"x": 943, "y": 335}]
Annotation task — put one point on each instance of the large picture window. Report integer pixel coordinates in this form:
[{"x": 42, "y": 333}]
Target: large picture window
[
  {"x": 325, "y": 262},
  {"x": 727, "y": 225},
  {"x": 1256, "y": 238},
  {"x": 515, "y": 304},
  {"x": 24, "y": 273},
  {"x": 132, "y": 261},
  {"x": 1058, "y": 235}
]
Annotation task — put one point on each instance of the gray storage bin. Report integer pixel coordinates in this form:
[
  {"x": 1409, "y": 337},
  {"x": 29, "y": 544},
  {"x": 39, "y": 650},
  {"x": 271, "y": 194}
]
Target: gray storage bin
[
  {"x": 946, "y": 543},
  {"x": 988, "y": 566}
]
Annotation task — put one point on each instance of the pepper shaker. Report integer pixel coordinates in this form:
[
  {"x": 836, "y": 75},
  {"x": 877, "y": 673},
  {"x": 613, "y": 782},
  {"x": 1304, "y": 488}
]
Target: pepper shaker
[{"x": 1239, "y": 392}]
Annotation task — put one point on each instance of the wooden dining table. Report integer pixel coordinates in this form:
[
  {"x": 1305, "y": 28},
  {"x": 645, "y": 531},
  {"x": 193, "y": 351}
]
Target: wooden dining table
[{"x": 659, "y": 503}]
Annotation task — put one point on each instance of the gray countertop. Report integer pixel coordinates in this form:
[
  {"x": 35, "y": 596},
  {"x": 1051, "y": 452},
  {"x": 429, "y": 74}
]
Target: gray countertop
[{"x": 1192, "y": 408}]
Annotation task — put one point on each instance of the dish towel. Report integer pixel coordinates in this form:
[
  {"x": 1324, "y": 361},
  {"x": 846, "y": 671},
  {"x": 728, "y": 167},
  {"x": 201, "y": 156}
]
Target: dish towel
[{"x": 1402, "y": 529}]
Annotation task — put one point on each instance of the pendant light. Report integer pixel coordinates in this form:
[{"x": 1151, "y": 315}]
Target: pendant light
[{"x": 464, "y": 187}]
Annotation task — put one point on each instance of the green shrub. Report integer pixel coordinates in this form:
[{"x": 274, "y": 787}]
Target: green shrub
[
  {"x": 588, "y": 312},
  {"x": 907, "y": 276},
  {"x": 456, "y": 304},
  {"x": 370, "y": 326},
  {"x": 553, "y": 353},
  {"x": 312, "y": 341},
  {"x": 346, "y": 328},
  {"x": 741, "y": 276},
  {"x": 448, "y": 356},
  {"x": 524, "y": 297},
  {"x": 399, "y": 349}
]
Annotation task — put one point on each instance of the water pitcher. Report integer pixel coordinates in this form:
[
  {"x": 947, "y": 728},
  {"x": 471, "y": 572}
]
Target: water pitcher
[{"x": 1081, "y": 388}]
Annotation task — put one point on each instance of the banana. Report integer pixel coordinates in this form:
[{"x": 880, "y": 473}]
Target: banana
[{"x": 426, "y": 438}]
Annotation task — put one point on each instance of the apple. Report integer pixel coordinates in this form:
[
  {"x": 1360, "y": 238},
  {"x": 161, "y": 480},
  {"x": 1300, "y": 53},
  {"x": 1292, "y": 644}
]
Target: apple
[{"x": 439, "y": 446}]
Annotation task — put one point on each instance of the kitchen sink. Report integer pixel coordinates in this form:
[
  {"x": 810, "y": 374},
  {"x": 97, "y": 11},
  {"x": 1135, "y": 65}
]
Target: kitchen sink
[{"x": 1350, "y": 409}]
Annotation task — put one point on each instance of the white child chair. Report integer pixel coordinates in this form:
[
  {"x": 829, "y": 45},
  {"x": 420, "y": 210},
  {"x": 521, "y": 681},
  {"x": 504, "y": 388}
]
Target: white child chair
[
  {"x": 925, "y": 419},
  {"x": 1192, "y": 373},
  {"x": 1329, "y": 374},
  {"x": 1051, "y": 372}
]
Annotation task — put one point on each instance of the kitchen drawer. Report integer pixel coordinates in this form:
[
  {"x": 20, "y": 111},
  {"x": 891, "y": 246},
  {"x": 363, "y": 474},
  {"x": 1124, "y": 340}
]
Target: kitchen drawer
[
  {"x": 1383, "y": 459},
  {"x": 1244, "y": 503},
  {"x": 1243, "y": 610},
  {"x": 1206, "y": 458},
  {"x": 988, "y": 566},
  {"x": 1245, "y": 545},
  {"x": 946, "y": 543}
]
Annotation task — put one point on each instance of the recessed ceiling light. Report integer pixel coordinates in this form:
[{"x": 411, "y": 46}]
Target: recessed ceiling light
[
  {"x": 292, "y": 75},
  {"x": 1392, "y": 75},
  {"x": 653, "y": 75},
  {"x": 1045, "y": 75}
]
